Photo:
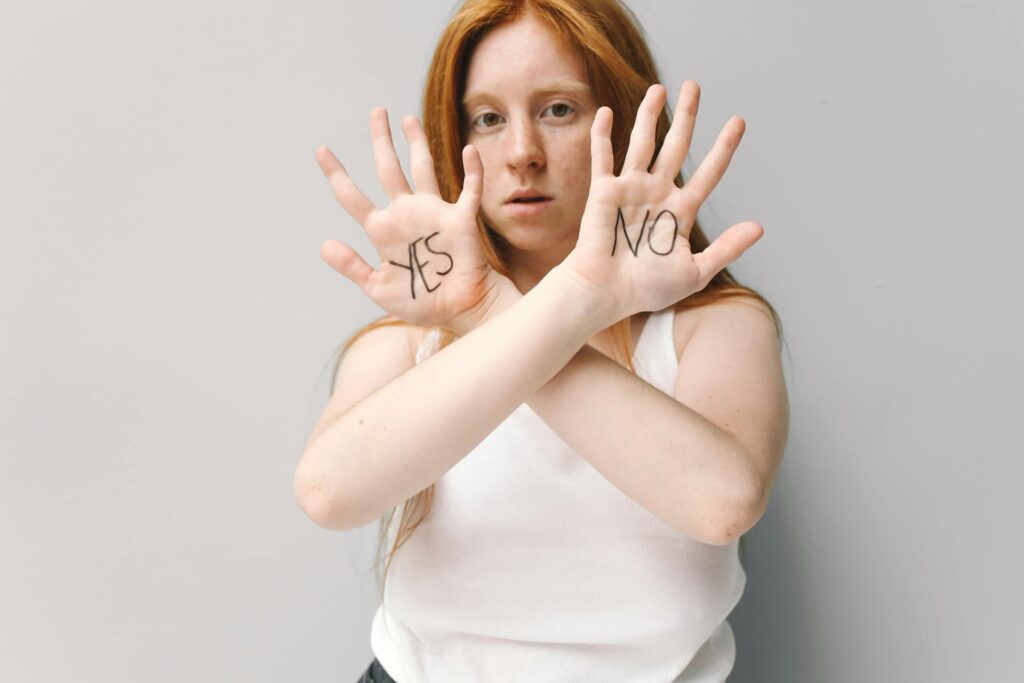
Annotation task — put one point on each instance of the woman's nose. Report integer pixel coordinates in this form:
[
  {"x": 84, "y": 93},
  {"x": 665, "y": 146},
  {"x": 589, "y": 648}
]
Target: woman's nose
[{"x": 526, "y": 151}]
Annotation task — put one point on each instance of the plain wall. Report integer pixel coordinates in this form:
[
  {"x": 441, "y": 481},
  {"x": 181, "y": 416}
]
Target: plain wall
[{"x": 167, "y": 327}]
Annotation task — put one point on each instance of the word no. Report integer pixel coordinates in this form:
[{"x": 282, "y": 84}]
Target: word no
[{"x": 634, "y": 246}]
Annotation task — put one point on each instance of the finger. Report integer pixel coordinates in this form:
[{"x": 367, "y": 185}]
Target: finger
[
  {"x": 346, "y": 261},
  {"x": 473, "y": 185},
  {"x": 680, "y": 134},
  {"x": 421, "y": 163},
  {"x": 345, "y": 191},
  {"x": 389, "y": 170},
  {"x": 711, "y": 170},
  {"x": 729, "y": 246},
  {"x": 641, "y": 138},
  {"x": 602, "y": 158}
]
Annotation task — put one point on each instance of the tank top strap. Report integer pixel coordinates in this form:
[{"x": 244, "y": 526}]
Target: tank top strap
[
  {"x": 429, "y": 345},
  {"x": 655, "y": 355}
]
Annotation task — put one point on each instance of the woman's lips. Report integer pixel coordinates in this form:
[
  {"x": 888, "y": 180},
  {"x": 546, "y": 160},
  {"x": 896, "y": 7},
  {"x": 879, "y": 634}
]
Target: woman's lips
[{"x": 533, "y": 207}]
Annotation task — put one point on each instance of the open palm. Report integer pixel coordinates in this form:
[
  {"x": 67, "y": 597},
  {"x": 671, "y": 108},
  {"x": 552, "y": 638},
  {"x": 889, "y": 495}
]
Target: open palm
[
  {"x": 433, "y": 270},
  {"x": 634, "y": 237}
]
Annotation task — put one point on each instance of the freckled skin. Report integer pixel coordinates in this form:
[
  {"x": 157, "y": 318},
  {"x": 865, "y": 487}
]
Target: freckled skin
[{"x": 530, "y": 148}]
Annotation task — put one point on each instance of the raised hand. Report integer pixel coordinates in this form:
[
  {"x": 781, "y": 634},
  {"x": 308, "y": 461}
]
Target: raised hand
[
  {"x": 433, "y": 271},
  {"x": 634, "y": 244}
]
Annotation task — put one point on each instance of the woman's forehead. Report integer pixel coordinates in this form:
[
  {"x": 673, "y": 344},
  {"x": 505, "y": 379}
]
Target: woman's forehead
[{"x": 522, "y": 53}]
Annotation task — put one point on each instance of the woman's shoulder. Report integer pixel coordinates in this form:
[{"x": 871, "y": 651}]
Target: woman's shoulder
[
  {"x": 390, "y": 328},
  {"x": 688, "y": 318}
]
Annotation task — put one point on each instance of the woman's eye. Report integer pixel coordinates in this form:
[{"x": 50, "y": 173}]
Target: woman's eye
[
  {"x": 560, "y": 110},
  {"x": 488, "y": 119}
]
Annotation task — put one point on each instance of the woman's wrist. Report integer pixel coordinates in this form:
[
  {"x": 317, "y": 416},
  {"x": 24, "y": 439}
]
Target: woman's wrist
[
  {"x": 606, "y": 310},
  {"x": 499, "y": 298}
]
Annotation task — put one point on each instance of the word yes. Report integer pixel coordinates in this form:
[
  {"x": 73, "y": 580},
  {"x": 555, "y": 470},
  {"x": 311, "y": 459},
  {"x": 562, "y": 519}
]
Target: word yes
[{"x": 415, "y": 266}]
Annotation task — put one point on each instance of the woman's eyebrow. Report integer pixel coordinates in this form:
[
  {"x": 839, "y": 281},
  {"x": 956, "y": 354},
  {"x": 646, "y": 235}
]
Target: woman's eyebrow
[{"x": 569, "y": 87}]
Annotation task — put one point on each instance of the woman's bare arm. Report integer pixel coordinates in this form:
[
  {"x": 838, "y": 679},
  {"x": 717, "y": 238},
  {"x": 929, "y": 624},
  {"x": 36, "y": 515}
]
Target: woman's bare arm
[{"x": 702, "y": 459}]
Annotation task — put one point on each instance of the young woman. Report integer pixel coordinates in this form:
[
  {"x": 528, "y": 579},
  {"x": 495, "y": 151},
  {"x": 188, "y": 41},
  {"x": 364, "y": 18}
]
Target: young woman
[{"x": 573, "y": 411}]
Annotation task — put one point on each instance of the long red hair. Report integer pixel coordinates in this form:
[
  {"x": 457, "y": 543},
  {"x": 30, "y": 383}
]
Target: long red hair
[{"x": 620, "y": 68}]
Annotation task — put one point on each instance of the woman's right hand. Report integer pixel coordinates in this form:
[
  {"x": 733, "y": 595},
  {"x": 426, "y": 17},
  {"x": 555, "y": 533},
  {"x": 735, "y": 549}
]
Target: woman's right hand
[{"x": 433, "y": 270}]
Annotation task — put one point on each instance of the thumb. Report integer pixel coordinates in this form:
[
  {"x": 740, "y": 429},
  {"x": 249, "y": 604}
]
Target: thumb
[{"x": 729, "y": 246}]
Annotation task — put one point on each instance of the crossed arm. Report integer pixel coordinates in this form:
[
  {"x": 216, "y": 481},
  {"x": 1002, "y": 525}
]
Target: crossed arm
[
  {"x": 708, "y": 480},
  {"x": 702, "y": 459}
]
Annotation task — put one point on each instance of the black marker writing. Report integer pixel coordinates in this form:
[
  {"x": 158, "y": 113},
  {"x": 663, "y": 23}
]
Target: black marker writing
[
  {"x": 634, "y": 246},
  {"x": 451, "y": 263},
  {"x": 620, "y": 220},
  {"x": 650, "y": 232},
  {"x": 415, "y": 266}
]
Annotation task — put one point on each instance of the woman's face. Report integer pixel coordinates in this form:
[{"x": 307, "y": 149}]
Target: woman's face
[{"x": 529, "y": 110}]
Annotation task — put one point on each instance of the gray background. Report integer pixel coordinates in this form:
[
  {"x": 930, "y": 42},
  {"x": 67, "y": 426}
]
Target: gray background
[{"x": 167, "y": 327}]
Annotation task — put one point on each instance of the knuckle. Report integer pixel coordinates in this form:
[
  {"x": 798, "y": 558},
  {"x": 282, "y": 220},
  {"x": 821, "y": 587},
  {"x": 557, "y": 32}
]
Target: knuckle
[{"x": 348, "y": 191}]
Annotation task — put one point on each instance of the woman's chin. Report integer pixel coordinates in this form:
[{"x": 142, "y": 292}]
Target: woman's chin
[{"x": 533, "y": 234}]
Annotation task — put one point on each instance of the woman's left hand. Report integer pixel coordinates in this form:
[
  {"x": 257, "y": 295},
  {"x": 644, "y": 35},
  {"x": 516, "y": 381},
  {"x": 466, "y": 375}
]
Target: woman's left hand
[{"x": 633, "y": 245}]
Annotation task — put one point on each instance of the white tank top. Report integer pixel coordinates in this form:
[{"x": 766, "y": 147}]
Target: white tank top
[{"x": 531, "y": 566}]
